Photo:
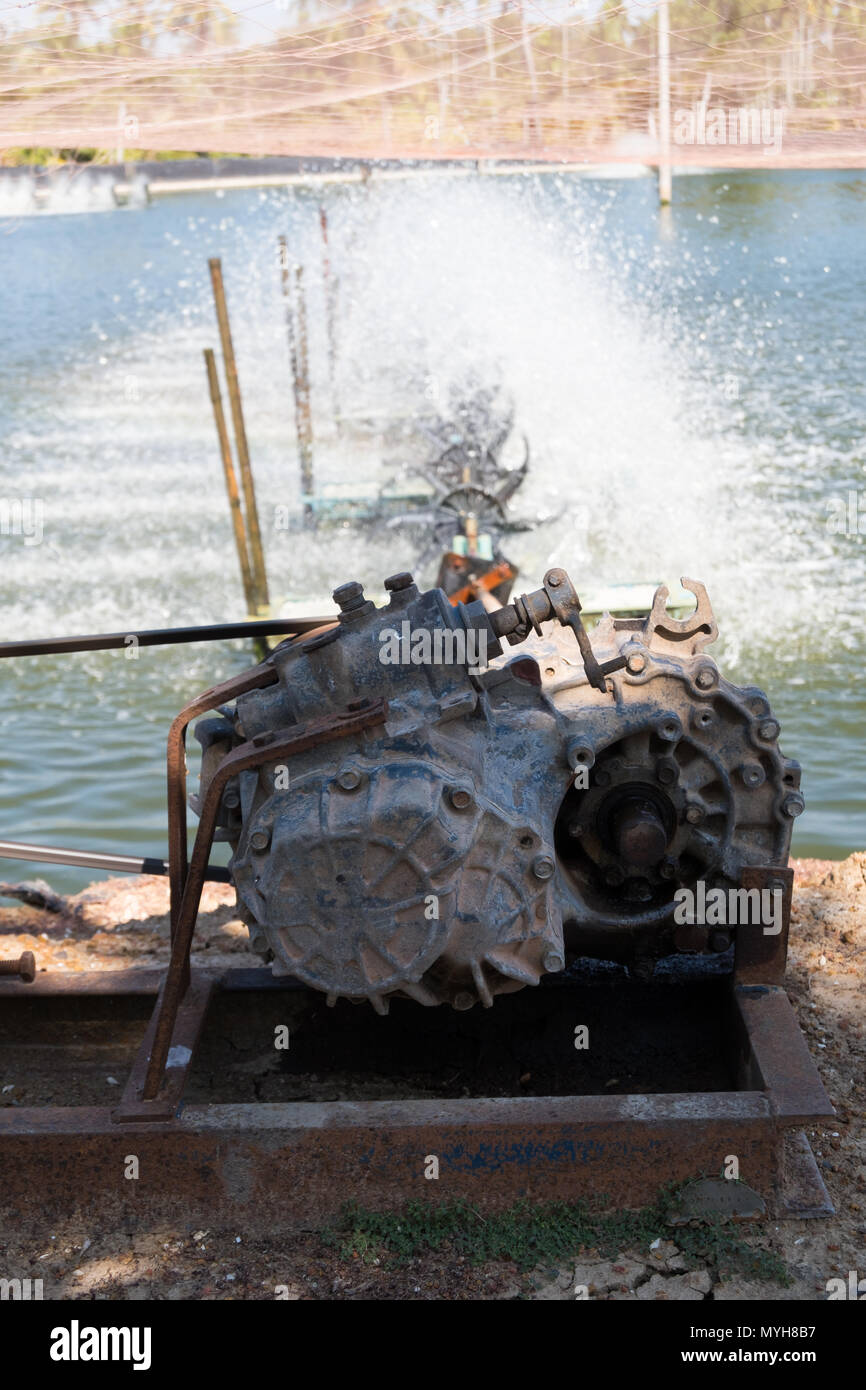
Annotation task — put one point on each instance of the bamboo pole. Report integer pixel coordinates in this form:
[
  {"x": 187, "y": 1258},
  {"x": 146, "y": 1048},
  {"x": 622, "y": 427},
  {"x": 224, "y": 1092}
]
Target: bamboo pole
[
  {"x": 231, "y": 481},
  {"x": 330, "y": 286},
  {"x": 306, "y": 419},
  {"x": 296, "y": 329},
  {"x": 286, "y": 280},
  {"x": 257, "y": 558},
  {"x": 664, "y": 37}
]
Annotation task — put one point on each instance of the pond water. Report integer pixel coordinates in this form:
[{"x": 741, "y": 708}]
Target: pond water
[{"x": 692, "y": 388}]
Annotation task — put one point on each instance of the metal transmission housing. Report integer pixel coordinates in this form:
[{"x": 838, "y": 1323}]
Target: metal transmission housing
[{"x": 501, "y": 819}]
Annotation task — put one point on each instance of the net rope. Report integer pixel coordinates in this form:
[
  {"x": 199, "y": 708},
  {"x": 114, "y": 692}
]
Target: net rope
[{"x": 531, "y": 80}]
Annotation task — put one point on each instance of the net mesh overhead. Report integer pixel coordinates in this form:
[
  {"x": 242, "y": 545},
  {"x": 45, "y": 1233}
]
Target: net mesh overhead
[{"x": 517, "y": 80}]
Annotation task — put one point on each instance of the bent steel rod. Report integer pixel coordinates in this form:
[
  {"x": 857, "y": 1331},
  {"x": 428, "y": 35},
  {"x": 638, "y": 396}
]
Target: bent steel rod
[
  {"x": 255, "y": 679},
  {"x": 91, "y": 859},
  {"x": 163, "y": 636},
  {"x": 286, "y": 743}
]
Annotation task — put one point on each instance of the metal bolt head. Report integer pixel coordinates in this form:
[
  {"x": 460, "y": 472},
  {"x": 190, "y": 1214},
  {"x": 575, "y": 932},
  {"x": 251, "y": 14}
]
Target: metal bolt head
[
  {"x": 24, "y": 967},
  {"x": 695, "y": 814},
  {"x": 575, "y": 829},
  {"x": 231, "y": 799},
  {"x": 260, "y": 839},
  {"x": 669, "y": 867},
  {"x": 555, "y": 578},
  {"x": 635, "y": 662},
  {"x": 394, "y": 582},
  {"x": 553, "y": 962},
  {"x": 705, "y": 678},
  {"x": 769, "y": 729},
  {"x": 349, "y": 779},
  {"x": 543, "y": 866},
  {"x": 793, "y": 805},
  {"x": 703, "y": 718},
  {"x": 753, "y": 774},
  {"x": 464, "y": 1000},
  {"x": 349, "y": 596},
  {"x": 579, "y": 753},
  {"x": 460, "y": 798},
  {"x": 720, "y": 940},
  {"x": 669, "y": 728},
  {"x": 667, "y": 771}
]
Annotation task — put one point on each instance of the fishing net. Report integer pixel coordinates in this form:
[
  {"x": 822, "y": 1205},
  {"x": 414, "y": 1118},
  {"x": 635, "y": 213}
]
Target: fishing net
[{"x": 780, "y": 83}]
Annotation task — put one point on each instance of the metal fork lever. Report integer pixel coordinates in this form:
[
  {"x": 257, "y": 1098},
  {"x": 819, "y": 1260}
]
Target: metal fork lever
[
  {"x": 565, "y": 604},
  {"x": 595, "y": 670},
  {"x": 556, "y": 600}
]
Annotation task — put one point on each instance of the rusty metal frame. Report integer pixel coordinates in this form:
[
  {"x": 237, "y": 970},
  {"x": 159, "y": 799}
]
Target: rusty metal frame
[
  {"x": 142, "y": 1099},
  {"x": 260, "y": 1162},
  {"x": 292, "y": 1163}
]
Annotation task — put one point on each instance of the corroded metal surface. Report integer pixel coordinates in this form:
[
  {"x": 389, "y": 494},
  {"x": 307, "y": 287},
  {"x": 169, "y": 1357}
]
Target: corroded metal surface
[
  {"x": 507, "y": 818},
  {"x": 760, "y": 956},
  {"x": 264, "y": 1163},
  {"x": 300, "y": 1162}
]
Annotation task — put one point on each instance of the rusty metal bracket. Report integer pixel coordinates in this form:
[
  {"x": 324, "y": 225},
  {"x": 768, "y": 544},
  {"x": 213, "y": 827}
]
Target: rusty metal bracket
[
  {"x": 701, "y": 623},
  {"x": 760, "y": 956},
  {"x": 188, "y": 1024}
]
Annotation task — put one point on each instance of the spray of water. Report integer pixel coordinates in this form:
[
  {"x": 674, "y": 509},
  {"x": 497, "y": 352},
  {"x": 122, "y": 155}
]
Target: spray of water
[
  {"x": 639, "y": 469},
  {"x": 642, "y": 469}
]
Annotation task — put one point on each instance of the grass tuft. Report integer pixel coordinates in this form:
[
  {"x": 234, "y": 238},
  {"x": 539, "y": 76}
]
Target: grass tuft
[{"x": 529, "y": 1235}]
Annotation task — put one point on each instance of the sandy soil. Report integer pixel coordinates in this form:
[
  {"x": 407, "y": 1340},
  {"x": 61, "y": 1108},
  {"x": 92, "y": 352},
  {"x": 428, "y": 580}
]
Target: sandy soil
[{"x": 123, "y": 923}]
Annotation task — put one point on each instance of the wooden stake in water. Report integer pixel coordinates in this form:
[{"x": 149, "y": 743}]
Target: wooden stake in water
[
  {"x": 286, "y": 281},
  {"x": 231, "y": 481},
  {"x": 304, "y": 383},
  {"x": 257, "y": 558},
  {"x": 664, "y": 33},
  {"x": 330, "y": 287},
  {"x": 296, "y": 329}
]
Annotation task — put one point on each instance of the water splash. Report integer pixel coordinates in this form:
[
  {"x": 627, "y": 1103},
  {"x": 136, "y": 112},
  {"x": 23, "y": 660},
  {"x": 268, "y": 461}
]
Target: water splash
[
  {"x": 613, "y": 342},
  {"x": 66, "y": 190}
]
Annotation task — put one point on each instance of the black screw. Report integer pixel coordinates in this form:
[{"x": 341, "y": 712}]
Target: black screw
[{"x": 403, "y": 580}]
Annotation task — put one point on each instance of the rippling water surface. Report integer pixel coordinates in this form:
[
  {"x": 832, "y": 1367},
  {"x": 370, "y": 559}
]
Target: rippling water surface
[{"x": 693, "y": 392}]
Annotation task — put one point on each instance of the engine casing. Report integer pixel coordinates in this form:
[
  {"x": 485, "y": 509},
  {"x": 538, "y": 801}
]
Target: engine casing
[{"x": 502, "y": 821}]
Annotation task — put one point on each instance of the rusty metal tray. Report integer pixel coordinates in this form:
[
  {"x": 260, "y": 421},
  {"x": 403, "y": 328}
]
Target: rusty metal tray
[{"x": 295, "y": 1163}]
